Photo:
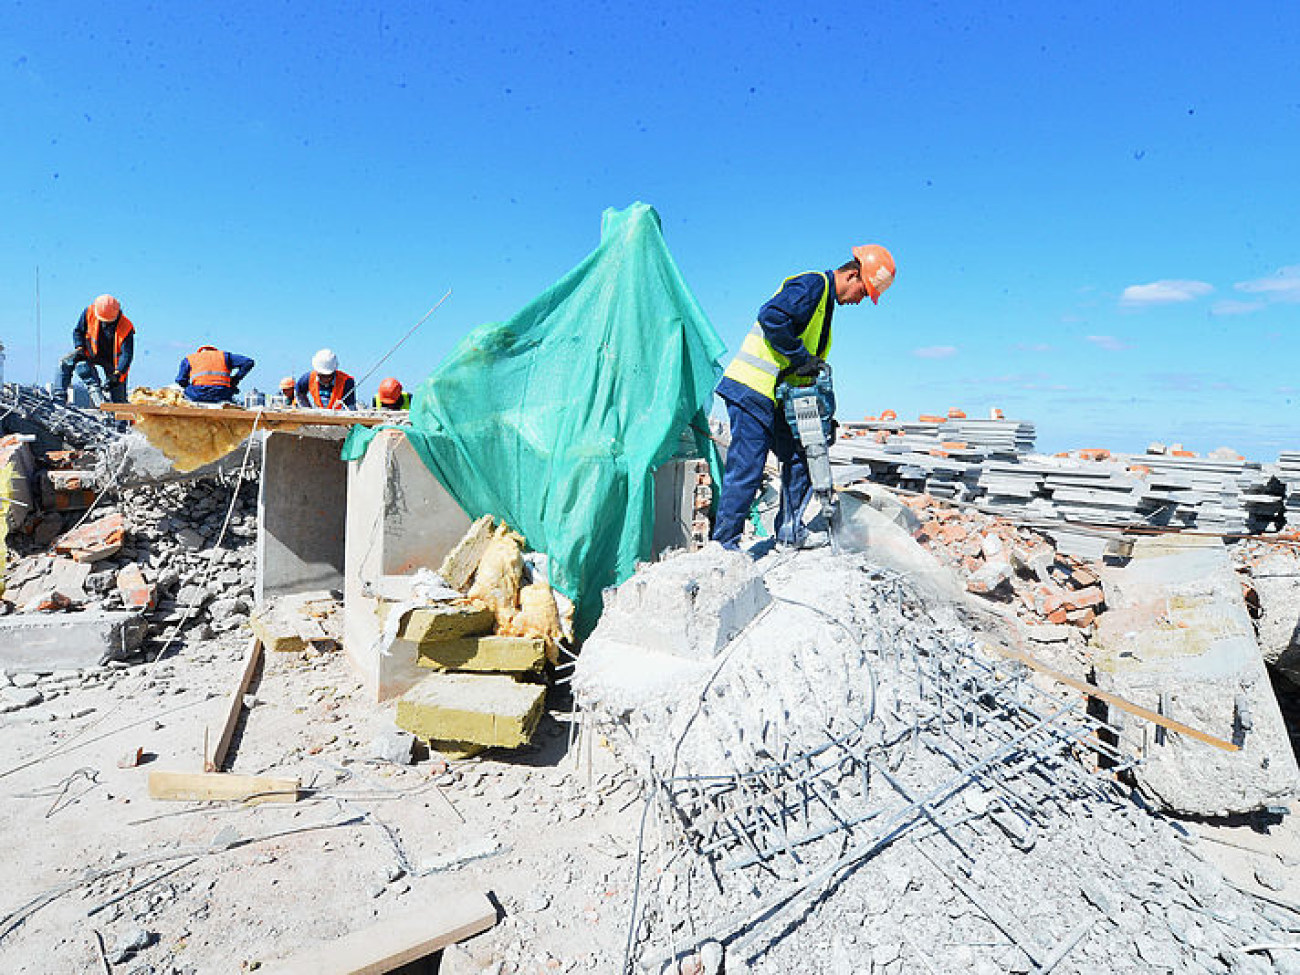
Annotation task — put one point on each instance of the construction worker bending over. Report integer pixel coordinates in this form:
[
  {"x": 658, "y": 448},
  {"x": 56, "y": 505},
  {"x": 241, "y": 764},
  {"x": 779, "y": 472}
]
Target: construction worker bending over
[
  {"x": 327, "y": 387},
  {"x": 789, "y": 343},
  {"x": 212, "y": 376},
  {"x": 391, "y": 396},
  {"x": 103, "y": 338}
]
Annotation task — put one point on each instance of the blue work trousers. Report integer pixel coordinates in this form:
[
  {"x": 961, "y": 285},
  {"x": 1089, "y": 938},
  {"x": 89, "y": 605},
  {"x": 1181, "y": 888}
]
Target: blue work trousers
[
  {"x": 751, "y": 439},
  {"x": 86, "y": 372}
]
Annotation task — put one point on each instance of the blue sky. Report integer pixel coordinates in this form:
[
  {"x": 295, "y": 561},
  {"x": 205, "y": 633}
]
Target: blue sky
[{"x": 1095, "y": 208}]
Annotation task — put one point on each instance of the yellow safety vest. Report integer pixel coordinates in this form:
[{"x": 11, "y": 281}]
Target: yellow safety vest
[{"x": 760, "y": 367}]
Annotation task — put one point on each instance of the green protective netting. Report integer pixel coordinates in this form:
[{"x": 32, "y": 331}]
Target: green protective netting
[{"x": 556, "y": 419}]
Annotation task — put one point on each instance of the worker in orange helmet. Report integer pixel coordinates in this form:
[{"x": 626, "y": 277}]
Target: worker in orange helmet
[
  {"x": 288, "y": 389},
  {"x": 103, "y": 338},
  {"x": 789, "y": 343},
  {"x": 391, "y": 396},
  {"x": 212, "y": 376}
]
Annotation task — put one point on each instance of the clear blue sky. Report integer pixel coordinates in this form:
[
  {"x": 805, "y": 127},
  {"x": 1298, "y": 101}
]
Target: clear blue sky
[{"x": 1095, "y": 207}]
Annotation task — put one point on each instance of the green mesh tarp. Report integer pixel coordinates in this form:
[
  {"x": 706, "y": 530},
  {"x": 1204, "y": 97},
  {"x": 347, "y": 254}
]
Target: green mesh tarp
[{"x": 556, "y": 419}]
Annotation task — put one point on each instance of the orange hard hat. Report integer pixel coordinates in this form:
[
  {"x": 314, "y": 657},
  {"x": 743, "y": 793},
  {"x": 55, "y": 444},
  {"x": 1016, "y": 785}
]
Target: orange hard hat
[
  {"x": 876, "y": 265},
  {"x": 390, "y": 391},
  {"x": 107, "y": 308},
  {"x": 287, "y": 383}
]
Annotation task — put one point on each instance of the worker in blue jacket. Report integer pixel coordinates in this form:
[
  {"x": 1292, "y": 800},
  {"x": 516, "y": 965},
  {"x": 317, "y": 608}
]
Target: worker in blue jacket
[
  {"x": 789, "y": 343},
  {"x": 212, "y": 376}
]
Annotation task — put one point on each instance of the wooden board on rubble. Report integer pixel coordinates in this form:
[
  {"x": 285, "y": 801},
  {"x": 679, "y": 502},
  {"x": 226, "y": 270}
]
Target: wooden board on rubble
[
  {"x": 208, "y": 786},
  {"x": 269, "y": 418},
  {"x": 398, "y": 941}
]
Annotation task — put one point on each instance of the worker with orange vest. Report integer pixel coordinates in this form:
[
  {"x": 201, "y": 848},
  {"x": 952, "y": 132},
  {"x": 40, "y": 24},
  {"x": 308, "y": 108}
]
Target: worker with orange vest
[
  {"x": 327, "y": 387},
  {"x": 391, "y": 396},
  {"x": 212, "y": 376},
  {"x": 105, "y": 338},
  {"x": 789, "y": 343}
]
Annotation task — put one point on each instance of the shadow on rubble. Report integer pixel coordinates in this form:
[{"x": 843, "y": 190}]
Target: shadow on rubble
[{"x": 1287, "y": 693}]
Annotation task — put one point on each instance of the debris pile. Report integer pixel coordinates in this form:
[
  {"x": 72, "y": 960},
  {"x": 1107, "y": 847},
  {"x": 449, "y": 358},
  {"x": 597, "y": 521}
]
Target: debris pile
[
  {"x": 107, "y": 571},
  {"x": 1012, "y": 564},
  {"x": 32, "y": 411},
  {"x": 820, "y": 745},
  {"x": 1271, "y": 572}
]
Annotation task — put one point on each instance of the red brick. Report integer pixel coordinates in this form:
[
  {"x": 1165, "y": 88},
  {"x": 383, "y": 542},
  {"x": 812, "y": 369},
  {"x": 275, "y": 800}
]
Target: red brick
[
  {"x": 136, "y": 592},
  {"x": 94, "y": 540},
  {"x": 1057, "y": 616},
  {"x": 1081, "y": 617},
  {"x": 1082, "y": 598}
]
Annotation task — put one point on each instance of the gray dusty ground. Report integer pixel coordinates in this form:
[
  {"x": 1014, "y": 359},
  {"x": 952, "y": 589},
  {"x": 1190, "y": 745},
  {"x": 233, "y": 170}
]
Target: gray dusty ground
[
  {"x": 551, "y": 832},
  {"x": 549, "y": 837}
]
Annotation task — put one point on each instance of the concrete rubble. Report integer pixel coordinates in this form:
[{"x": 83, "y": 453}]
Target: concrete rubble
[
  {"x": 854, "y": 756},
  {"x": 771, "y": 761}
]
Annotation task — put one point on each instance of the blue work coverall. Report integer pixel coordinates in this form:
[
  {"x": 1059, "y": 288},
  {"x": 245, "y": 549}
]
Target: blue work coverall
[
  {"x": 759, "y": 425},
  {"x": 239, "y": 366}
]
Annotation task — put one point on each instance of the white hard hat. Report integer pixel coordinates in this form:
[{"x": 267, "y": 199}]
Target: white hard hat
[{"x": 325, "y": 362}]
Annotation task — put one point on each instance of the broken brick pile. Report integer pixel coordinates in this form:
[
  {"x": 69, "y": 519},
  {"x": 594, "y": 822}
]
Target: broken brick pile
[{"x": 1011, "y": 564}]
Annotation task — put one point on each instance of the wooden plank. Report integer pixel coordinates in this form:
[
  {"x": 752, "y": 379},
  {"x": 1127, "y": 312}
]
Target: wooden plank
[
  {"x": 398, "y": 941},
  {"x": 1092, "y": 690},
  {"x": 205, "y": 786},
  {"x": 268, "y": 418},
  {"x": 234, "y": 707}
]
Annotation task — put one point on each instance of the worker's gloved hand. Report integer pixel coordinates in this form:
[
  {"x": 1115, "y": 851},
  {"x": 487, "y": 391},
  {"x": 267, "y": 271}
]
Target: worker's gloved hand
[
  {"x": 810, "y": 368},
  {"x": 835, "y": 432}
]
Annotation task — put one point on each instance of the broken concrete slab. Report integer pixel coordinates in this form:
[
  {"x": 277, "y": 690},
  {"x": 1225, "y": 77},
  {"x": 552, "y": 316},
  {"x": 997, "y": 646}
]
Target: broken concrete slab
[
  {"x": 41, "y": 573},
  {"x": 492, "y": 654},
  {"x": 399, "y": 519},
  {"x": 1177, "y": 639},
  {"x": 290, "y": 624},
  {"x": 1276, "y": 579},
  {"x": 690, "y": 606},
  {"x": 483, "y": 709},
  {"x": 67, "y": 641}
]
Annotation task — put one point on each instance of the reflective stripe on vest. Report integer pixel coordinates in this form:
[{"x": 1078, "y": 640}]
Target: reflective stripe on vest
[
  {"x": 403, "y": 403},
  {"x": 341, "y": 379},
  {"x": 91, "y": 350},
  {"x": 208, "y": 368},
  {"x": 760, "y": 367}
]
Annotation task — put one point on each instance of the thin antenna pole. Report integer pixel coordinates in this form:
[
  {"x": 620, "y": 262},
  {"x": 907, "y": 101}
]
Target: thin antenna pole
[
  {"x": 404, "y": 338},
  {"x": 38, "y": 324}
]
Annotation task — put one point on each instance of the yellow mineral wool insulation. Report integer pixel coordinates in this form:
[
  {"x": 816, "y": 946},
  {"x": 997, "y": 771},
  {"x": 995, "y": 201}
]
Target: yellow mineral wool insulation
[
  {"x": 459, "y": 565},
  {"x": 496, "y": 583},
  {"x": 188, "y": 442},
  {"x": 538, "y": 616}
]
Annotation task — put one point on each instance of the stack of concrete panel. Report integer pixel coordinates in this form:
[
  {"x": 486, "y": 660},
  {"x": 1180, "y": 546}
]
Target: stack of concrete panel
[
  {"x": 943, "y": 458},
  {"x": 1288, "y": 472},
  {"x": 1213, "y": 495},
  {"x": 1205, "y": 494},
  {"x": 911, "y": 466}
]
